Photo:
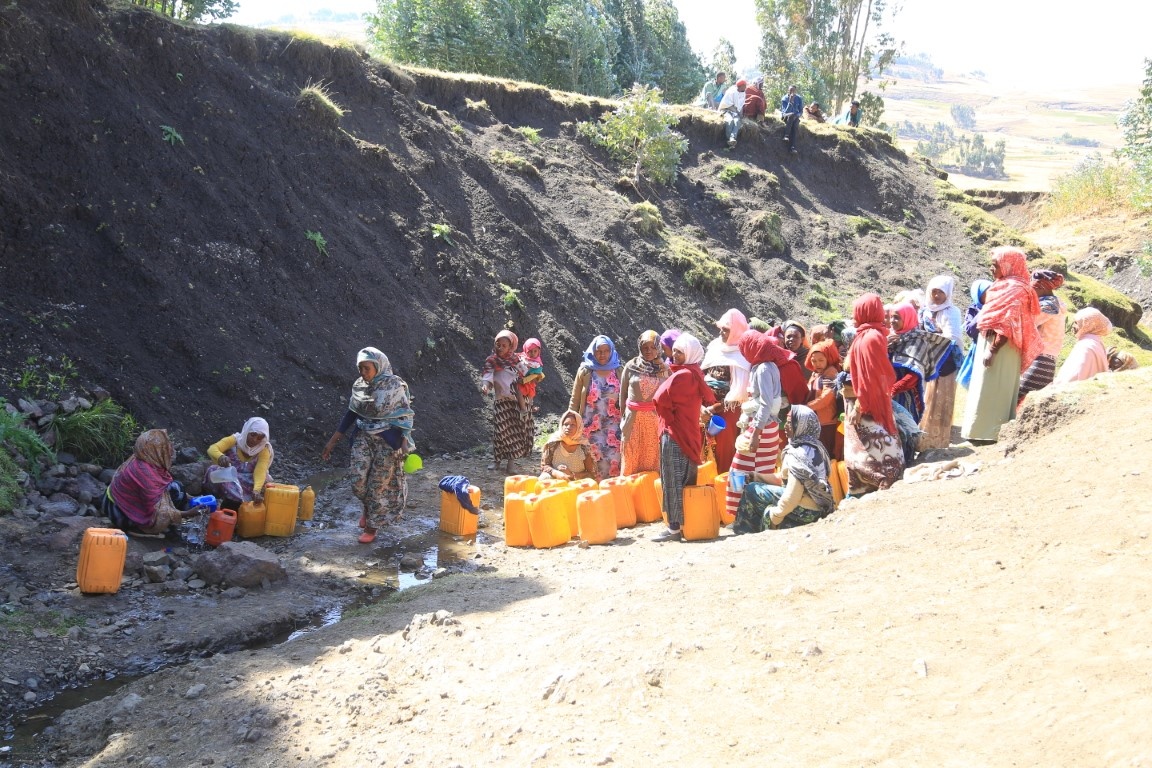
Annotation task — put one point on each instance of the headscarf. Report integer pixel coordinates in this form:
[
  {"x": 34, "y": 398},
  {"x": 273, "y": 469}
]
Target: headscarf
[
  {"x": 679, "y": 398},
  {"x": 1121, "y": 361},
  {"x": 254, "y": 424},
  {"x": 978, "y": 289},
  {"x": 1011, "y": 306},
  {"x": 511, "y": 361},
  {"x": 831, "y": 353},
  {"x": 793, "y": 324},
  {"x": 668, "y": 338},
  {"x": 872, "y": 372},
  {"x": 1047, "y": 279},
  {"x": 736, "y": 324},
  {"x": 153, "y": 447},
  {"x": 1091, "y": 321},
  {"x": 384, "y": 402},
  {"x": 758, "y": 347},
  {"x": 691, "y": 347},
  {"x": 590, "y": 355},
  {"x": 646, "y": 367},
  {"x": 806, "y": 459},
  {"x": 559, "y": 437},
  {"x": 532, "y": 343},
  {"x": 945, "y": 283},
  {"x": 909, "y": 317}
]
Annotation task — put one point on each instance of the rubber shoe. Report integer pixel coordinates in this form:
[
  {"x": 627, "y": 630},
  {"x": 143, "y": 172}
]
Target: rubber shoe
[
  {"x": 669, "y": 535},
  {"x": 368, "y": 536}
]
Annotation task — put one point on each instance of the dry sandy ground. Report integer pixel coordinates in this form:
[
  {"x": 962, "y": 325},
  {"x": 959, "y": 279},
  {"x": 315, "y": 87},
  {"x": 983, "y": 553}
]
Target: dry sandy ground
[
  {"x": 1029, "y": 121},
  {"x": 996, "y": 619}
]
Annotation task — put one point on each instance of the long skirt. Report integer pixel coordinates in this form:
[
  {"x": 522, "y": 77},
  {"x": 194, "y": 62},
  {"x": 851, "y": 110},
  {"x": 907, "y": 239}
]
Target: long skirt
[
  {"x": 676, "y": 471},
  {"x": 874, "y": 458},
  {"x": 641, "y": 449},
  {"x": 763, "y": 462},
  {"x": 993, "y": 393},
  {"x": 752, "y": 515},
  {"x": 1039, "y": 375},
  {"x": 378, "y": 479},
  {"x": 939, "y": 402},
  {"x": 509, "y": 431}
]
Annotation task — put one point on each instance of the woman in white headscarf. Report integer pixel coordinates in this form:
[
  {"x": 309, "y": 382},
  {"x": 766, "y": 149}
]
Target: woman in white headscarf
[
  {"x": 939, "y": 315},
  {"x": 250, "y": 453},
  {"x": 727, "y": 372},
  {"x": 1089, "y": 356}
]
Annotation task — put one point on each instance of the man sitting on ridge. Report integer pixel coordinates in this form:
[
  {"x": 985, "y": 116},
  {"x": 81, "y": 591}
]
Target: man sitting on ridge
[
  {"x": 791, "y": 107},
  {"x": 732, "y": 110},
  {"x": 712, "y": 92}
]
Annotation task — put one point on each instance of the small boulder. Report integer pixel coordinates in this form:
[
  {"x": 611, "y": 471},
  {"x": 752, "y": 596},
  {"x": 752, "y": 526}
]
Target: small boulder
[
  {"x": 67, "y": 539},
  {"x": 186, "y": 456},
  {"x": 190, "y": 476},
  {"x": 61, "y": 506},
  {"x": 67, "y": 459},
  {"x": 70, "y": 405},
  {"x": 156, "y": 574},
  {"x": 239, "y": 564},
  {"x": 29, "y": 408},
  {"x": 411, "y": 562}
]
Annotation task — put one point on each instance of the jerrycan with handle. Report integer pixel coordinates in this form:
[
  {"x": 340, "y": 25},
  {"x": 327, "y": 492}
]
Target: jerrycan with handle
[
  {"x": 307, "y": 503},
  {"x": 221, "y": 526},
  {"x": 250, "y": 519}
]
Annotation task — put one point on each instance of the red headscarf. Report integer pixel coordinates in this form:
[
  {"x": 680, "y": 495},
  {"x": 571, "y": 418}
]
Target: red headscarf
[
  {"x": 826, "y": 347},
  {"x": 909, "y": 317},
  {"x": 1011, "y": 306},
  {"x": 872, "y": 372},
  {"x": 761, "y": 347}
]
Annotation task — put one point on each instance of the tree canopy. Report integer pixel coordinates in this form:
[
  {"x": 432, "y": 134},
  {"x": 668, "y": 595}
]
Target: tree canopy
[
  {"x": 597, "y": 47},
  {"x": 1136, "y": 124},
  {"x": 192, "y": 10}
]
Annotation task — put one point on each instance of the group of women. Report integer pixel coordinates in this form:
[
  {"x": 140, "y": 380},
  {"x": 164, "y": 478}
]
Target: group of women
[{"x": 873, "y": 394}]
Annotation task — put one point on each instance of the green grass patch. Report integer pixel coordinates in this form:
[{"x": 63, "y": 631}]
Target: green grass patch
[
  {"x": 701, "y": 270},
  {"x": 10, "y": 491},
  {"x": 1082, "y": 291},
  {"x": 26, "y": 622},
  {"x": 862, "y": 225},
  {"x": 766, "y": 227},
  {"x": 23, "y": 441},
  {"x": 1093, "y": 186},
  {"x": 646, "y": 218},
  {"x": 105, "y": 433},
  {"x": 531, "y": 135},
  {"x": 985, "y": 230},
  {"x": 511, "y": 298},
  {"x": 733, "y": 172},
  {"x": 513, "y": 162},
  {"x": 316, "y": 98},
  {"x": 950, "y": 193}
]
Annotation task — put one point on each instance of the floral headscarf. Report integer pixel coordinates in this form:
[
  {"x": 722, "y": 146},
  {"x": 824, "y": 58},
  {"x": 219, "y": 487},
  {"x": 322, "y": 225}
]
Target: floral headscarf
[
  {"x": 511, "y": 361},
  {"x": 590, "y": 355},
  {"x": 806, "y": 458},
  {"x": 384, "y": 402},
  {"x": 647, "y": 367},
  {"x": 1011, "y": 306},
  {"x": 559, "y": 437},
  {"x": 153, "y": 447},
  {"x": 1121, "y": 361},
  {"x": 1091, "y": 321}
]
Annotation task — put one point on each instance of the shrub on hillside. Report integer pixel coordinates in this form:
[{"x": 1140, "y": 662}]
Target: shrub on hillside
[
  {"x": 17, "y": 437},
  {"x": 104, "y": 433},
  {"x": 1092, "y": 186},
  {"x": 316, "y": 99},
  {"x": 646, "y": 218},
  {"x": 639, "y": 133},
  {"x": 701, "y": 271}
]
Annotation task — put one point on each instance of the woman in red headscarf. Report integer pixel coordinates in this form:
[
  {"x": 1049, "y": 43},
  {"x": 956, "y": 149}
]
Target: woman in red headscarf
[
  {"x": 1006, "y": 346},
  {"x": 824, "y": 362},
  {"x": 872, "y": 450}
]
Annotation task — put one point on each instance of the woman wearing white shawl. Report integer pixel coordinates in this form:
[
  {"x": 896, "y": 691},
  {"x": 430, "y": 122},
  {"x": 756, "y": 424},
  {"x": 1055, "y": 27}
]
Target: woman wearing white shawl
[{"x": 726, "y": 372}]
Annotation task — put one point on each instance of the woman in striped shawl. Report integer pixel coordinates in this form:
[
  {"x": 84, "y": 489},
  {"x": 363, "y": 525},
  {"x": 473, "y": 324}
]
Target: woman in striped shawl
[{"x": 1050, "y": 326}]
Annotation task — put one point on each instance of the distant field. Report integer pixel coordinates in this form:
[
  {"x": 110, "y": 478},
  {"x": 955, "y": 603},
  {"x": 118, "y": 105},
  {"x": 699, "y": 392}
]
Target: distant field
[{"x": 1029, "y": 122}]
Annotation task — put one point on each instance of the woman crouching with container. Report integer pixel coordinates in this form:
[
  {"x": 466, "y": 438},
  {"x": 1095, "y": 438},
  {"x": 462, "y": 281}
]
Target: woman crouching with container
[
  {"x": 142, "y": 498},
  {"x": 249, "y": 454},
  {"x": 380, "y": 412}
]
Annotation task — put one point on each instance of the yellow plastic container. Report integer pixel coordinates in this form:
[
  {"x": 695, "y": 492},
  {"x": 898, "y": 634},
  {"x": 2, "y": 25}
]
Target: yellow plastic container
[
  {"x": 586, "y": 484},
  {"x": 516, "y": 531},
  {"x": 720, "y": 483},
  {"x": 547, "y": 520},
  {"x": 705, "y": 473},
  {"x": 307, "y": 503},
  {"x": 842, "y": 470},
  {"x": 250, "y": 519},
  {"x": 644, "y": 497},
  {"x": 834, "y": 481},
  {"x": 283, "y": 503},
  {"x": 101, "y": 564},
  {"x": 566, "y": 496},
  {"x": 701, "y": 517},
  {"x": 597, "y": 516},
  {"x": 543, "y": 483},
  {"x": 621, "y": 500},
  {"x": 454, "y": 518},
  {"x": 520, "y": 484}
]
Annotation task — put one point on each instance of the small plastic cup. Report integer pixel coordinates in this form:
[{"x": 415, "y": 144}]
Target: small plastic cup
[
  {"x": 716, "y": 425},
  {"x": 736, "y": 480}
]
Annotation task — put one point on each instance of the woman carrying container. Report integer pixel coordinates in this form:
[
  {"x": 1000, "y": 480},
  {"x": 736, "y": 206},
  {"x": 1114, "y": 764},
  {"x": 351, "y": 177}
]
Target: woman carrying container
[
  {"x": 502, "y": 375},
  {"x": 143, "y": 498},
  {"x": 381, "y": 414},
  {"x": 679, "y": 407},
  {"x": 250, "y": 454}
]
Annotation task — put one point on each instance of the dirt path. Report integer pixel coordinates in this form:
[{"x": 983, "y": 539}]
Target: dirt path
[{"x": 995, "y": 619}]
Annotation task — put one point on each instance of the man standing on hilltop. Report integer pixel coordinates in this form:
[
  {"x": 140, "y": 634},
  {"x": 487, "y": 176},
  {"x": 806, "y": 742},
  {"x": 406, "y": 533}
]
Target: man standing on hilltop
[
  {"x": 712, "y": 92},
  {"x": 791, "y": 107},
  {"x": 732, "y": 110}
]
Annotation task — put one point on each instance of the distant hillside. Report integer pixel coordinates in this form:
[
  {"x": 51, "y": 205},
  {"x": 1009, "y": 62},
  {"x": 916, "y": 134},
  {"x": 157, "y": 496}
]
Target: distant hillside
[{"x": 159, "y": 183}]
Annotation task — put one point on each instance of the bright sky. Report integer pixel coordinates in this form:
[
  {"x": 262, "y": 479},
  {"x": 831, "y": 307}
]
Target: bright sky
[{"x": 1014, "y": 42}]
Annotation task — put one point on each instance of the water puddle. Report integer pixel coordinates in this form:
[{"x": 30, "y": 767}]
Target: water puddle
[{"x": 386, "y": 566}]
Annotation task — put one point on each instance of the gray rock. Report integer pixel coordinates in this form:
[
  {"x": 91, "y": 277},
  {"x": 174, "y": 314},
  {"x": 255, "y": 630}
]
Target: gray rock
[
  {"x": 44, "y": 421},
  {"x": 411, "y": 562},
  {"x": 128, "y": 704},
  {"x": 30, "y": 696},
  {"x": 195, "y": 691},
  {"x": 239, "y": 564},
  {"x": 234, "y": 593},
  {"x": 172, "y": 585},
  {"x": 31, "y": 683},
  {"x": 155, "y": 574},
  {"x": 66, "y": 459},
  {"x": 191, "y": 476},
  {"x": 49, "y": 485},
  {"x": 85, "y": 483},
  {"x": 186, "y": 456},
  {"x": 70, "y": 405},
  {"x": 86, "y": 404},
  {"x": 90, "y": 469},
  {"x": 31, "y": 409},
  {"x": 183, "y": 573},
  {"x": 72, "y": 528},
  {"x": 106, "y": 476},
  {"x": 159, "y": 557},
  {"x": 198, "y": 584},
  {"x": 60, "y": 506}
]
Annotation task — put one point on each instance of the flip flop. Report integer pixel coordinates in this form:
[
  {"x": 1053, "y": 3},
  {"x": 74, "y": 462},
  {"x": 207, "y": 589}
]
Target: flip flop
[{"x": 368, "y": 536}]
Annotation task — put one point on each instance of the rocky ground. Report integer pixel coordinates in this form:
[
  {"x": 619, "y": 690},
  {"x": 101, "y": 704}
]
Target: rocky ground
[{"x": 993, "y": 619}]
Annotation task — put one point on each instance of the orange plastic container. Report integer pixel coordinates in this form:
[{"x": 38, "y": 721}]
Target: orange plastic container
[
  {"x": 597, "y": 516},
  {"x": 454, "y": 518},
  {"x": 586, "y": 484},
  {"x": 701, "y": 518},
  {"x": 543, "y": 483},
  {"x": 834, "y": 481},
  {"x": 282, "y": 502},
  {"x": 720, "y": 483},
  {"x": 547, "y": 520},
  {"x": 621, "y": 500},
  {"x": 516, "y": 532},
  {"x": 307, "y": 503},
  {"x": 566, "y": 498},
  {"x": 842, "y": 470},
  {"x": 520, "y": 484},
  {"x": 221, "y": 526},
  {"x": 644, "y": 497},
  {"x": 250, "y": 519},
  {"x": 101, "y": 564},
  {"x": 705, "y": 473}
]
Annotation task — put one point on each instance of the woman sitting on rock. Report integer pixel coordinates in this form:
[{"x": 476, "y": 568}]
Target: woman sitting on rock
[
  {"x": 143, "y": 498},
  {"x": 801, "y": 494},
  {"x": 1088, "y": 357},
  {"x": 250, "y": 454},
  {"x": 567, "y": 454}
]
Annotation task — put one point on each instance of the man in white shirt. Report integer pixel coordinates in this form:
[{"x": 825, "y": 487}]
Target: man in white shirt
[{"x": 732, "y": 109}]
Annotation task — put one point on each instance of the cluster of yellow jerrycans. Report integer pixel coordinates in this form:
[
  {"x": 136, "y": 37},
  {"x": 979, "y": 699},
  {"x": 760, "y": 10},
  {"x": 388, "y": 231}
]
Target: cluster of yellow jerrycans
[{"x": 545, "y": 513}]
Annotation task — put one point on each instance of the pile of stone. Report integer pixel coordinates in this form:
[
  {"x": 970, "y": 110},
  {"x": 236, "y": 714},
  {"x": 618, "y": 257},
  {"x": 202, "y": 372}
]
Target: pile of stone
[{"x": 231, "y": 569}]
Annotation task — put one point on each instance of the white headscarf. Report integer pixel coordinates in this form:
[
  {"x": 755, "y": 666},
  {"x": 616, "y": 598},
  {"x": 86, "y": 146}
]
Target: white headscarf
[
  {"x": 945, "y": 283},
  {"x": 691, "y": 347},
  {"x": 257, "y": 425}
]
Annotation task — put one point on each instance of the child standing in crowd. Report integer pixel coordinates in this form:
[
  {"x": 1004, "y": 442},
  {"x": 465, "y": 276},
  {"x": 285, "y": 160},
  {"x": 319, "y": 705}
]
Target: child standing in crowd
[{"x": 533, "y": 375}]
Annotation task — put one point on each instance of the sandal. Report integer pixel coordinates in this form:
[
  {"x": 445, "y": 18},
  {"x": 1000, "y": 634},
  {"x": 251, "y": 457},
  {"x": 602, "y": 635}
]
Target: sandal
[{"x": 368, "y": 536}]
